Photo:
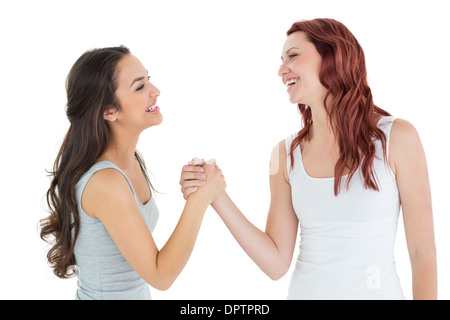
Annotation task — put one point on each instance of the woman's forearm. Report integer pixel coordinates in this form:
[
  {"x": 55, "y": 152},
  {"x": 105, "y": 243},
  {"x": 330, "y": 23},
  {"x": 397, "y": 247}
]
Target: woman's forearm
[
  {"x": 164, "y": 265},
  {"x": 258, "y": 245},
  {"x": 424, "y": 276},
  {"x": 173, "y": 257}
]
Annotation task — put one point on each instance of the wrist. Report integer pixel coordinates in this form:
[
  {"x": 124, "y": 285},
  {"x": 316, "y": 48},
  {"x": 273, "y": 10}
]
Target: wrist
[
  {"x": 220, "y": 201},
  {"x": 198, "y": 199}
]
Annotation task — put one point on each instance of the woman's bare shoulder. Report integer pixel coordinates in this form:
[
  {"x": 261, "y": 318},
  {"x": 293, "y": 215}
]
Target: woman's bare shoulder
[
  {"x": 405, "y": 144},
  {"x": 403, "y": 133},
  {"x": 104, "y": 187}
]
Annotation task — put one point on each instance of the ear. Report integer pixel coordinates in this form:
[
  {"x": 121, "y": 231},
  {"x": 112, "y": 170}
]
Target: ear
[{"x": 110, "y": 114}]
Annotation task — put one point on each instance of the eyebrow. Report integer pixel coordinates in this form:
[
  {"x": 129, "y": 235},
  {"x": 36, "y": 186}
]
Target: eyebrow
[
  {"x": 287, "y": 51},
  {"x": 137, "y": 80}
]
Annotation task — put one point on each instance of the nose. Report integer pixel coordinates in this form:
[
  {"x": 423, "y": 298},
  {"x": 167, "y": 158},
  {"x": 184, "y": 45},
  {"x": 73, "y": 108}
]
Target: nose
[
  {"x": 154, "y": 91},
  {"x": 283, "y": 70}
]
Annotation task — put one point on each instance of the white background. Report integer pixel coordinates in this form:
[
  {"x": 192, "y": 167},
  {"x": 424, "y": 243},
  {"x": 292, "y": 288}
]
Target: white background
[{"x": 216, "y": 65}]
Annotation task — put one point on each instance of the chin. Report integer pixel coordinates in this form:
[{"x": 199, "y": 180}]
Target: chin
[
  {"x": 295, "y": 97},
  {"x": 158, "y": 121},
  {"x": 294, "y": 100},
  {"x": 153, "y": 123}
]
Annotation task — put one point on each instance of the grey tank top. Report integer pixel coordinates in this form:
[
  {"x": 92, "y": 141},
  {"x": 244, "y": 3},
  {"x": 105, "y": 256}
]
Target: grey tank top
[{"x": 103, "y": 273}]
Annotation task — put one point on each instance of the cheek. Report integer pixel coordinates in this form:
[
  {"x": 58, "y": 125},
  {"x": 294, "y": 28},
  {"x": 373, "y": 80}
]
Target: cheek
[
  {"x": 138, "y": 102},
  {"x": 312, "y": 77},
  {"x": 140, "y": 98},
  {"x": 316, "y": 69},
  {"x": 132, "y": 106}
]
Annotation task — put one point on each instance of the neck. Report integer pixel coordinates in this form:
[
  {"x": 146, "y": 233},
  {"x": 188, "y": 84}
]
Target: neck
[
  {"x": 121, "y": 150},
  {"x": 321, "y": 129}
]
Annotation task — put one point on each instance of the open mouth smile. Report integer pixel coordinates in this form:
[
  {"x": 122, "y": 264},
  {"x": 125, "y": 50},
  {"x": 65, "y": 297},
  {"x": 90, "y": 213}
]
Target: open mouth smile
[
  {"x": 153, "y": 108},
  {"x": 290, "y": 82}
]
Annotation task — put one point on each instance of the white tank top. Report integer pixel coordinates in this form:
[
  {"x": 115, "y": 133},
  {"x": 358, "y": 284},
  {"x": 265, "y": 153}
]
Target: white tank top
[{"x": 346, "y": 241}]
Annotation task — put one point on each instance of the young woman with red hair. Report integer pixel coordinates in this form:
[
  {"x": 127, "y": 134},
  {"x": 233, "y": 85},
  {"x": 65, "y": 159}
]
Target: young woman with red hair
[{"x": 342, "y": 178}]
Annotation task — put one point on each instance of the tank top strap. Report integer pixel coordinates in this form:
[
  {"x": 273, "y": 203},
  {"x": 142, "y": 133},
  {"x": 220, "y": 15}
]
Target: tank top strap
[
  {"x": 385, "y": 124},
  {"x": 109, "y": 165},
  {"x": 95, "y": 168},
  {"x": 296, "y": 154}
]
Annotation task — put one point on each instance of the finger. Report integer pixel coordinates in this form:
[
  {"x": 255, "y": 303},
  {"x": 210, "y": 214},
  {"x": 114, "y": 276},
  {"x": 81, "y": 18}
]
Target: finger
[
  {"x": 192, "y": 168},
  {"x": 192, "y": 176},
  {"x": 192, "y": 183},
  {"x": 196, "y": 161},
  {"x": 189, "y": 191}
]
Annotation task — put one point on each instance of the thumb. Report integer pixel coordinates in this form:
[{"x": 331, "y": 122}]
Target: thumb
[{"x": 196, "y": 161}]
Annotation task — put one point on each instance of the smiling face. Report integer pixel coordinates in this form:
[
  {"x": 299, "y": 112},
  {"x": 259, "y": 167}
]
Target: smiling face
[
  {"x": 136, "y": 95},
  {"x": 300, "y": 70}
]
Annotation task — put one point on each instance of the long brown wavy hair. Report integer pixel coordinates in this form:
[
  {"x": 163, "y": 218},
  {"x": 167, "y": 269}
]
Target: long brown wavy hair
[
  {"x": 91, "y": 85},
  {"x": 351, "y": 110}
]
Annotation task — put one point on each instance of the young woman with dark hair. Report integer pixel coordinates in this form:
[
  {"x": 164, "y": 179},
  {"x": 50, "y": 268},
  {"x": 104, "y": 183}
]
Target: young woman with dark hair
[
  {"x": 342, "y": 178},
  {"x": 102, "y": 209}
]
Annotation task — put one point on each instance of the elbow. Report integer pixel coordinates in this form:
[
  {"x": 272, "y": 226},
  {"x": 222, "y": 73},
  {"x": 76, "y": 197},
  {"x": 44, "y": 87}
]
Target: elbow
[
  {"x": 160, "y": 285},
  {"x": 277, "y": 273},
  {"x": 275, "y": 276}
]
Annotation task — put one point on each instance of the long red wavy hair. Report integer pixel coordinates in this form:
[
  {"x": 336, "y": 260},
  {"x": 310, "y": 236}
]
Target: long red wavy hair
[{"x": 350, "y": 106}]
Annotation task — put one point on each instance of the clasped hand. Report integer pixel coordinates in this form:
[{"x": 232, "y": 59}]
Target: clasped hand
[{"x": 206, "y": 177}]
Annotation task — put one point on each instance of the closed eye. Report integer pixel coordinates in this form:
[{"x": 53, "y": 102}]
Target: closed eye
[{"x": 143, "y": 85}]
